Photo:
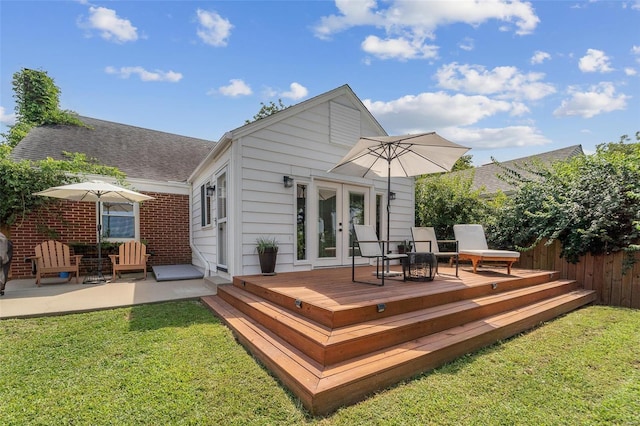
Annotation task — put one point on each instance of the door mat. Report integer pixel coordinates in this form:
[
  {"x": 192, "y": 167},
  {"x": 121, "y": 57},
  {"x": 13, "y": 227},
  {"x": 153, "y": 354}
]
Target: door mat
[{"x": 176, "y": 272}]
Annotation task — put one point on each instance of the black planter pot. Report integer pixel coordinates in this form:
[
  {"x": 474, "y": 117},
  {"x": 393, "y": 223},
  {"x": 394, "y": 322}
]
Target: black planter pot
[{"x": 268, "y": 261}]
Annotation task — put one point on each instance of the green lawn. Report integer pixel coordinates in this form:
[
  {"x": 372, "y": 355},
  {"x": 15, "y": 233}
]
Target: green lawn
[{"x": 174, "y": 363}]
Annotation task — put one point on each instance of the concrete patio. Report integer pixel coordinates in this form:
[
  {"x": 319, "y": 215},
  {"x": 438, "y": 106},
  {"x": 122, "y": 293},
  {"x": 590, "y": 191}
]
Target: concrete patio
[{"x": 24, "y": 299}]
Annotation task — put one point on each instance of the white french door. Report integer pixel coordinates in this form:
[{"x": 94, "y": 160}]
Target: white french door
[
  {"x": 221, "y": 221},
  {"x": 339, "y": 206}
]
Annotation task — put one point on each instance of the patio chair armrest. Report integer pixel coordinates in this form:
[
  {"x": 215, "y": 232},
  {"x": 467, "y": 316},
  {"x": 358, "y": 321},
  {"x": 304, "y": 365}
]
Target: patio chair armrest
[
  {"x": 78, "y": 257},
  {"x": 423, "y": 241},
  {"x": 114, "y": 258},
  {"x": 450, "y": 241}
]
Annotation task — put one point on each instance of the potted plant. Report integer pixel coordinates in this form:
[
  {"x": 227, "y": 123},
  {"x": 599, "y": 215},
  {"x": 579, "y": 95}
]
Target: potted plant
[{"x": 267, "y": 248}]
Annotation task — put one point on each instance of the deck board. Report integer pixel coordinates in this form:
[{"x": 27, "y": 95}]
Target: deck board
[{"x": 335, "y": 346}]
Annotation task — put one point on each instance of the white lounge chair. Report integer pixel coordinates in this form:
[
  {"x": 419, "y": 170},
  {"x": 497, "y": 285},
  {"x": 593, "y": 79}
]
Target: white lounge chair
[
  {"x": 425, "y": 241},
  {"x": 472, "y": 245},
  {"x": 371, "y": 247}
]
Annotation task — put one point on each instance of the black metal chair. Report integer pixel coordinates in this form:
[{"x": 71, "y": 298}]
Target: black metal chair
[{"x": 371, "y": 247}]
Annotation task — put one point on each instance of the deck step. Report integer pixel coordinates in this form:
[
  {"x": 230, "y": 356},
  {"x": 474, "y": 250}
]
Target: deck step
[
  {"x": 343, "y": 312},
  {"x": 323, "y": 389},
  {"x": 329, "y": 346}
]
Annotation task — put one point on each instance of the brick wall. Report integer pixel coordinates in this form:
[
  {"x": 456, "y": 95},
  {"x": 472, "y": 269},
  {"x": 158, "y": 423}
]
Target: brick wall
[{"x": 164, "y": 227}]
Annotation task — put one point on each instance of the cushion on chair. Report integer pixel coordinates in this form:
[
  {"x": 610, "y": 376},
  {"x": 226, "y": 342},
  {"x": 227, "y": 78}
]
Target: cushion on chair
[{"x": 492, "y": 253}]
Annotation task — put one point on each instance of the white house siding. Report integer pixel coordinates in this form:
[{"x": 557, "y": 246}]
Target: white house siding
[
  {"x": 304, "y": 142},
  {"x": 304, "y": 146},
  {"x": 204, "y": 239}
]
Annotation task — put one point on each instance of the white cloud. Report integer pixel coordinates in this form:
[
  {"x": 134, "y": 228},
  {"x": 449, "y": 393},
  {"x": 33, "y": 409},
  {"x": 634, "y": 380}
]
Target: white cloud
[
  {"x": 7, "y": 119},
  {"x": 399, "y": 48},
  {"x": 505, "y": 82},
  {"x": 635, "y": 50},
  {"x": 595, "y": 61},
  {"x": 539, "y": 57},
  {"x": 408, "y": 23},
  {"x": 467, "y": 44},
  {"x": 597, "y": 100},
  {"x": 495, "y": 138},
  {"x": 110, "y": 25},
  {"x": 213, "y": 29},
  {"x": 630, "y": 71},
  {"x": 436, "y": 110},
  {"x": 352, "y": 13},
  {"x": 297, "y": 91},
  {"x": 236, "y": 88},
  {"x": 157, "y": 75}
]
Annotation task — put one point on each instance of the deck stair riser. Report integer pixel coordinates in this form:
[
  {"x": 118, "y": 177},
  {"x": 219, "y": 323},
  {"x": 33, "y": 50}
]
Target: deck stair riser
[
  {"x": 440, "y": 296},
  {"x": 323, "y": 390},
  {"x": 328, "y": 346},
  {"x": 343, "y": 341}
]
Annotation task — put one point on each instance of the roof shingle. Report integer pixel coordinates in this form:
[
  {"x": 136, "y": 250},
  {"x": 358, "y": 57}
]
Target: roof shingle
[
  {"x": 140, "y": 153},
  {"x": 487, "y": 175}
]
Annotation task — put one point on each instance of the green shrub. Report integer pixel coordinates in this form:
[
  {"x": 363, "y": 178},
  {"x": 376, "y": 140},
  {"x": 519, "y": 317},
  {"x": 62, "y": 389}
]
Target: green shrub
[{"x": 589, "y": 203}]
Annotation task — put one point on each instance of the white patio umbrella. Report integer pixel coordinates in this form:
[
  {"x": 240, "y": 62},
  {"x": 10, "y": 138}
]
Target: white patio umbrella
[
  {"x": 399, "y": 156},
  {"x": 95, "y": 191}
]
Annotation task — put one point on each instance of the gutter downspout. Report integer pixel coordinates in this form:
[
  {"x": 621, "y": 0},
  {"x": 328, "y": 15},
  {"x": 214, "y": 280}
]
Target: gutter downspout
[{"x": 194, "y": 249}]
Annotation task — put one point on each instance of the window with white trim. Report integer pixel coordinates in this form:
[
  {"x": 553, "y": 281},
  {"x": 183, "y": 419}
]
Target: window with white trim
[
  {"x": 205, "y": 204},
  {"x": 120, "y": 221}
]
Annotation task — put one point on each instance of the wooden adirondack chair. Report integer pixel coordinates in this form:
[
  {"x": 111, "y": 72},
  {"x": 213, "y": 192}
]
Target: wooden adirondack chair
[
  {"x": 53, "y": 257},
  {"x": 132, "y": 257}
]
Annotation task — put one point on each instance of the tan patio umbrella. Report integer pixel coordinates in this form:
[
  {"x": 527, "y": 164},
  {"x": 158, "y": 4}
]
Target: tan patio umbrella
[
  {"x": 95, "y": 191},
  {"x": 399, "y": 156}
]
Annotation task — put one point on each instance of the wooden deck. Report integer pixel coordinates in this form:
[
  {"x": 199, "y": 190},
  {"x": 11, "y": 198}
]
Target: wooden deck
[{"x": 332, "y": 342}]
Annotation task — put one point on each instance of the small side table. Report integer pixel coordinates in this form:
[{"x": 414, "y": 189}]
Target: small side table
[{"x": 420, "y": 267}]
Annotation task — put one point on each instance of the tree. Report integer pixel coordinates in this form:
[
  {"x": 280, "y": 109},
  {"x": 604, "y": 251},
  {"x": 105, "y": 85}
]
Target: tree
[
  {"x": 20, "y": 179},
  {"x": 588, "y": 203},
  {"x": 267, "y": 110},
  {"x": 37, "y": 103},
  {"x": 463, "y": 163},
  {"x": 445, "y": 200}
]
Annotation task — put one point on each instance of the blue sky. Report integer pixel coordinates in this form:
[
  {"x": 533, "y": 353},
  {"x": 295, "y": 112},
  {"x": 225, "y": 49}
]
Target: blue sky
[{"x": 506, "y": 78}]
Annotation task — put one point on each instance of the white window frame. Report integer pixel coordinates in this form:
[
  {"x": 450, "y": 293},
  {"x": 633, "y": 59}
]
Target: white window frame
[
  {"x": 136, "y": 221},
  {"x": 206, "y": 208}
]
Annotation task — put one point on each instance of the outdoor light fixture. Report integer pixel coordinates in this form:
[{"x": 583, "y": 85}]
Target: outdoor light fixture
[
  {"x": 288, "y": 181},
  {"x": 211, "y": 190},
  {"x": 392, "y": 196},
  {"x": 381, "y": 307}
]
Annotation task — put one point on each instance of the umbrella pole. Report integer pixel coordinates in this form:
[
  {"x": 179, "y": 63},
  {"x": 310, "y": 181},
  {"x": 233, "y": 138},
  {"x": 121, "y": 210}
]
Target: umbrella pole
[
  {"x": 99, "y": 242},
  {"x": 98, "y": 278},
  {"x": 388, "y": 213}
]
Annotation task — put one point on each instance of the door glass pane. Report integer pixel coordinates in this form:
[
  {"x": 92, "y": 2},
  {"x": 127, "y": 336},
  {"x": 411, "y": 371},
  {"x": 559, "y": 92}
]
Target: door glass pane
[
  {"x": 301, "y": 231},
  {"x": 222, "y": 247},
  {"x": 222, "y": 196},
  {"x": 221, "y": 192},
  {"x": 378, "y": 215},
  {"x": 356, "y": 217},
  {"x": 327, "y": 222}
]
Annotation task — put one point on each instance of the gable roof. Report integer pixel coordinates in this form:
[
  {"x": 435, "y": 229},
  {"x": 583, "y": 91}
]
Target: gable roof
[
  {"x": 487, "y": 175},
  {"x": 140, "y": 153},
  {"x": 283, "y": 114}
]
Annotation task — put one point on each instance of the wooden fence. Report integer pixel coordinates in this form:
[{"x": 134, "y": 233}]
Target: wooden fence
[{"x": 614, "y": 285}]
